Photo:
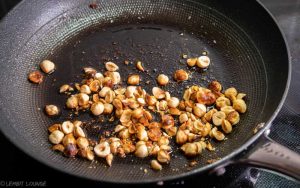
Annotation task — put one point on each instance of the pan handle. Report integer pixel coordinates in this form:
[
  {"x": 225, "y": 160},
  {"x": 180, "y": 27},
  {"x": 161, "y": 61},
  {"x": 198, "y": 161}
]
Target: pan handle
[{"x": 270, "y": 155}]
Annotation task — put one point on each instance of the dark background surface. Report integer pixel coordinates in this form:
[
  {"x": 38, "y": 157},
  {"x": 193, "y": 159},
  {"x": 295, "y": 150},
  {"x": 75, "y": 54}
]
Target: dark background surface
[{"x": 16, "y": 166}]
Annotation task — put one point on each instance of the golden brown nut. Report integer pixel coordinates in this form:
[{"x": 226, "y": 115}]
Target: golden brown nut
[
  {"x": 226, "y": 126},
  {"x": 67, "y": 127},
  {"x": 239, "y": 105},
  {"x": 95, "y": 85},
  {"x": 82, "y": 142},
  {"x": 218, "y": 117},
  {"x": 68, "y": 139},
  {"x": 233, "y": 117},
  {"x": 227, "y": 109},
  {"x": 217, "y": 134},
  {"x": 231, "y": 93},
  {"x": 199, "y": 109},
  {"x": 109, "y": 158},
  {"x": 158, "y": 93},
  {"x": 222, "y": 101},
  {"x": 97, "y": 108},
  {"x": 133, "y": 79},
  {"x": 181, "y": 137},
  {"x": 85, "y": 89},
  {"x": 155, "y": 165},
  {"x": 191, "y": 62},
  {"x": 47, "y": 66},
  {"x": 173, "y": 102},
  {"x": 108, "y": 108},
  {"x": 102, "y": 149},
  {"x": 139, "y": 66},
  {"x": 83, "y": 99},
  {"x": 72, "y": 102},
  {"x": 54, "y": 127},
  {"x": 150, "y": 100},
  {"x": 36, "y": 77},
  {"x": 191, "y": 149},
  {"x": 209, "y": 114},
  {"x": 65, "y": 88},
  {"x": 215, "y": 86},
  {"x": 110, "y": 66},
  {"x": 162, "y": 80},
  {"x": 203, "y": 62},
  {"x": 163, "y": 156},
  {"x": 58, "y": 147},
  {"x": 141, "y": 151},
  {"x": 56, "y": 137},
  {"x": 154, "y": 134},
  {"x": 206, "y": 97},
  {"x": 52, "y": 110},
  {"x": 181, "y": 75}
]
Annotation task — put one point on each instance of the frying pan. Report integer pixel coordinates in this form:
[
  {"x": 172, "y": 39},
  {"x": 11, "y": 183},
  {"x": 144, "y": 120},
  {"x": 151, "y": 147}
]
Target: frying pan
[{"x": 247, "y": 49}]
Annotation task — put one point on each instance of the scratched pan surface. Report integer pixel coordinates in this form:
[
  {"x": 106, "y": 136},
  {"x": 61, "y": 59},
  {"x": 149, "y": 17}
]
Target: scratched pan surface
[{"x": 247, "y": 51}]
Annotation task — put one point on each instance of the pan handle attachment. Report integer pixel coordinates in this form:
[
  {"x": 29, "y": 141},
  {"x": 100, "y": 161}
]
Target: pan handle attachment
[{"x": 270, "y": 155}]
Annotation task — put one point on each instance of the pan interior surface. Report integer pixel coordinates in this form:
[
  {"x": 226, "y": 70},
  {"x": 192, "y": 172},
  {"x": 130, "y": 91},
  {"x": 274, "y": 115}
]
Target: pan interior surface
[{"x": 156, "y": 32}]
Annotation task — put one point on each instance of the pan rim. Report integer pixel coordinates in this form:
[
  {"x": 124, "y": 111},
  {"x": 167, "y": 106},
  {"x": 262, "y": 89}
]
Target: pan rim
[{"x": 205, "y": 168}]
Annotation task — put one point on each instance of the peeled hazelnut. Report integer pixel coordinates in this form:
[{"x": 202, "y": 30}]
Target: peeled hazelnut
[
  {"x": 102, "y": 149},
  {"x": 222, "y": 101},
  {"x": 141, "y": 151},
  {"x": 82, "y": 142},
  {"x": 163, "y": 156},
  {"x": 65, "y": 88},
  {"x": 155, "y": 165},
  {"x": 72, "y": 102},
  {"x": 133, "y": 79},
  {"x": 218, "y": 117},
  {"x": 137, "y": 113},
  {"x": 47, "y": 66},
  {"x": 110, "y": 66},
  {"x": 158, "y": 93},
  {"x": 173, "y": 102},
  {"x": 231, "y": 93},
  {"x": 78, "y": 132},
  {"x": 233, "y": 117},
  {"x": 108, "y": 108},
  {"x": 95, "y": 85},
  {"x": 154, "y": 134},
  {"x": 83, "y": 99},
  {"x": 67, "y": 127},
  {"x": 89, "y": 71},
  {"x": 191, "y": 62},
  {"x": 215, "y": 86},
  {"x": 52, "y": 110},
  {"x": 199, "y": 109},
  {"x": 162, "y": 80},
  {"x": 85, "y": 89},
  {"x": 68, "y": 139},
  {"x": 181, "y": 75},
  {"x": 183, "y": 118},
  {"x": 109, "y": 159},
  {"x": 203, "y": 62},
  {"x": 181, "y": 137},
  {"x": 97, "y": 108},
  {"x": 36, "y": 77},
  {"x": 56, "y": 137},
  {"x": 226, "y": 126},
  {"x": 206, "y": 97},
  {"x": 239, "y": 105},
  {"x": 150, "y": 100},
  {"x": 104, "y": 91}
]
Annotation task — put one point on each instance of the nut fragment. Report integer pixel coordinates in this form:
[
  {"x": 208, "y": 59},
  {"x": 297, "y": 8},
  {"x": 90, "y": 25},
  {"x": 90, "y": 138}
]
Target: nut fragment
[
  {"x": 97, "y": 108},
  {"x": 47, "y": 66},
  {"x": 54, "y": 127},
  {"x": 110, "y": 66},
  {"x": 102, "y": 149},
  {"x": 108, "y": 108},
  {"x": 58, "y": 147},
  {"x": 56, "y": 137},
  {"x": 36, "y": 77},
  {"x": 222, "y": 101},
  {"x": 67, "y": 127},
  {"x": 181, "y": 75},
  {"x": 68, "y": 139},
  {"x": 199, "y": 109},
  {"x": 52, "y": 110},
  {"x": 139, "y": 66},
  {"x": 104, "y": 91},
  {"x": 217, "y": 134},
  {"x": 162, "y": 80},
  {"x": 109, "y": 159},
  {"x": 183, "y": 118},
  {"x": 95, "y": 85},
  {"x": 133, "y": 79},
  {"x": 89, "y": 71},
  {"x": 203, "y": 62},
  {"x": 155, "y": 165},
  {"x": 65, "y": 88},
  {"x": 154, "y": 134}
]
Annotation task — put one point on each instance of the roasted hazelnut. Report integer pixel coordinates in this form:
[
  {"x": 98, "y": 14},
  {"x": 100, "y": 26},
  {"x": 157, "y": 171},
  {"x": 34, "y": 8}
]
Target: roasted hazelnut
[
  {"x": 52, "y": 110},
  {"x": 133, "y": 79},
  {"x": 203, "y": 62},
  {"x": 181, "y": 75},
  {"x": 162, "y": 80},
  {"x": 36, "y": 77},
  {"x": 47, "y": 66}
]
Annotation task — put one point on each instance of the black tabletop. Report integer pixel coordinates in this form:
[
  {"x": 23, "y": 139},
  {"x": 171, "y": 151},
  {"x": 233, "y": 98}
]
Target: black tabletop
[{"x": 20, "y": 170}]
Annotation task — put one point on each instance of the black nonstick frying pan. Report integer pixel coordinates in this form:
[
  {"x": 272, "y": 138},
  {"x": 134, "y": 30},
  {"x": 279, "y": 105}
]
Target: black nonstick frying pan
[{"x": 245, "y": 45}]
